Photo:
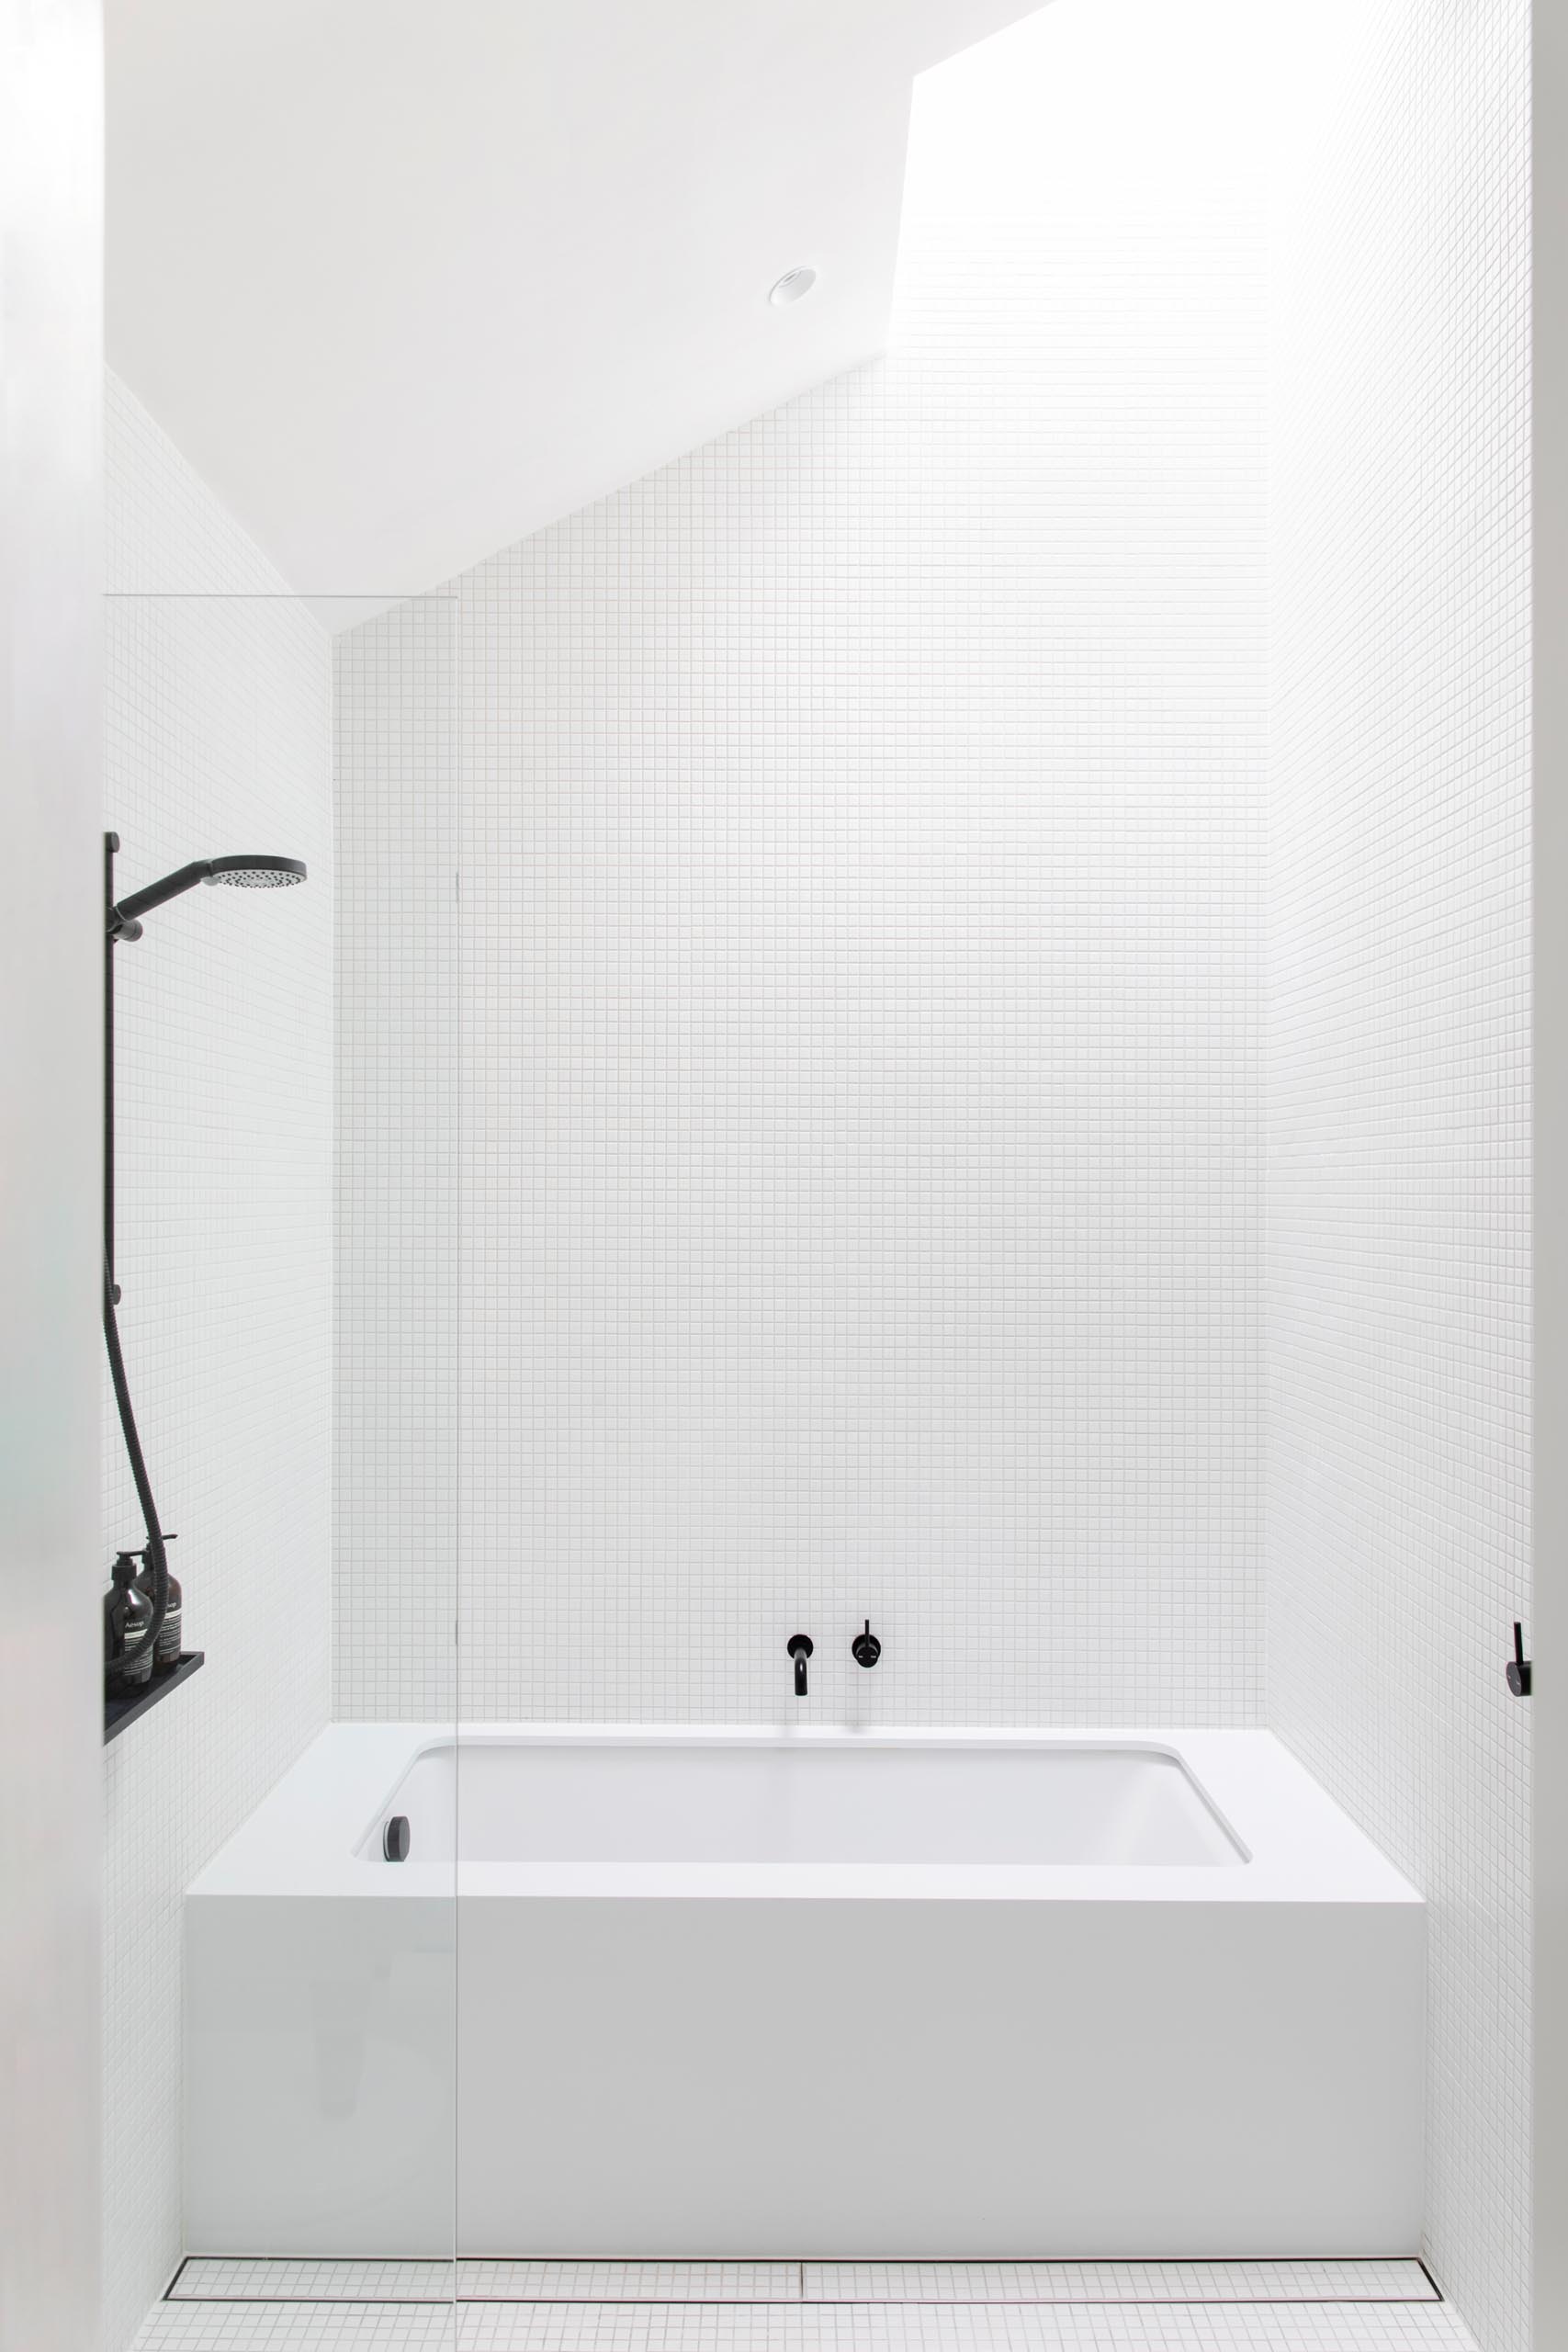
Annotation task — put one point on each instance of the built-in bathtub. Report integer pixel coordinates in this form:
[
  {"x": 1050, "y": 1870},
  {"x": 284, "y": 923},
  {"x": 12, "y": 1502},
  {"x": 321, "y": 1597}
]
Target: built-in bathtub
[{"x": 746, "y": 1993}]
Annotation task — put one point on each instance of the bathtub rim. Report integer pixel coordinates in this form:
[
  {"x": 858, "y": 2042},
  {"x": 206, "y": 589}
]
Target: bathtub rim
[{"x": 303, "y": 1840}]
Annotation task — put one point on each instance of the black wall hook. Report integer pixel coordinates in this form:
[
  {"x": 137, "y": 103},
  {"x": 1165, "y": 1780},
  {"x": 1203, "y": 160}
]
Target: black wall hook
[{"x": 1519, "y": 1665}]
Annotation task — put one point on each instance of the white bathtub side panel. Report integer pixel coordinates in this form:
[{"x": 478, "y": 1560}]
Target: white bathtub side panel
[
  {"x": 318, "y": 2075},
  {"x": 954, "y": 2079}
]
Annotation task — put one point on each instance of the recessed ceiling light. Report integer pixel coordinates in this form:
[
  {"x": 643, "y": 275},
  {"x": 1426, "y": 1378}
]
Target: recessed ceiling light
[{"x": 792, "y": 286}]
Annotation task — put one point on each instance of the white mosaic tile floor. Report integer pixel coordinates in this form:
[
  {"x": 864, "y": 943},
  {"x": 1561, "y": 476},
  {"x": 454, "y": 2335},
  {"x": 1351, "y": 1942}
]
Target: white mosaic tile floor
[
  {"x": 246, "y": 2306},
  {"x": 189, "y": 2326}
]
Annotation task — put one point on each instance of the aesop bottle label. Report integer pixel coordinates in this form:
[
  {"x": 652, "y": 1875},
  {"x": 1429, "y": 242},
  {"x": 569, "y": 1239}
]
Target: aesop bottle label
[{"x": 169, "y": 1636}]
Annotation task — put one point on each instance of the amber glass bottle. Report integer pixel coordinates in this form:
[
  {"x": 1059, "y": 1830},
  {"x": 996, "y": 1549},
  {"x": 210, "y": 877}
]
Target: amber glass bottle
[
  {"x": 171, "y": 1632},
  {"x": 128, "y": 1614}
]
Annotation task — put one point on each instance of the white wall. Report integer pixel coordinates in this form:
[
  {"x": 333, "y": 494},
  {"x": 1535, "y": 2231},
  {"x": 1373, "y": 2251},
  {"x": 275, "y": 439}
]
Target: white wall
[
  {"x": 859, "y": 1000},
  {"x": 1549, "y": 828},
  {"x": 50, "y": 497},
  {"x": 218, "y": 738},
  {"x": 1398, "y": 1205}
]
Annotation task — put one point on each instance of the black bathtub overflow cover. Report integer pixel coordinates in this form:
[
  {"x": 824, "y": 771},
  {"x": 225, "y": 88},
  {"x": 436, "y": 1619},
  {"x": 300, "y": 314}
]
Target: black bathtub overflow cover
[{"x": 395, "y": 1838}]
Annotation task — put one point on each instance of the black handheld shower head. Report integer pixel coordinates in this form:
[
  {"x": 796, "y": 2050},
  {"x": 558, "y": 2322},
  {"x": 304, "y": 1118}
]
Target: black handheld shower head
[
  {"x": 240, "y": 873},
  {"x": 256, "y": 873}
]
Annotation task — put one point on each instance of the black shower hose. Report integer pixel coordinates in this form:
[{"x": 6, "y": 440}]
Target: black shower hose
[{"x": 156, "y": 1554}]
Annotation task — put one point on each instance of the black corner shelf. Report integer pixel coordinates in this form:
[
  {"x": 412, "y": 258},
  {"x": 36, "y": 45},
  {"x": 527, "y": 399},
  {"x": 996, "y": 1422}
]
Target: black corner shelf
[{"x": 122, "y": 1710}]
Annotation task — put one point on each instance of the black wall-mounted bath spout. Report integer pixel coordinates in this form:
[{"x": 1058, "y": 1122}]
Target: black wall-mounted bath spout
[{"x": 800, "y": 1647}]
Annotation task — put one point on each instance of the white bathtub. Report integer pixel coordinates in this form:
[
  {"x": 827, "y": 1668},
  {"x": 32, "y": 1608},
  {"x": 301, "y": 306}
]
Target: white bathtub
[{"x": 742, "y": 1992}]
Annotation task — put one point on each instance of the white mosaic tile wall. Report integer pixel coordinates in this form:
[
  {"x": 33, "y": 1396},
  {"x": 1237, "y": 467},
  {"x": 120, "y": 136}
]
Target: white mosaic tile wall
[
  {"x": 860, "y": 1003},
  {"x": 1398, "y": 1250},
  {"x": 398, "y": 1120},
  {"x": 218, "y": 739}
]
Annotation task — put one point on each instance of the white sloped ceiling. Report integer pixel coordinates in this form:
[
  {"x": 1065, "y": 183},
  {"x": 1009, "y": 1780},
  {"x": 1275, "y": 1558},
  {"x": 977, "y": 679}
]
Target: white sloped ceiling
[{"x": 406, "y": 280}]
